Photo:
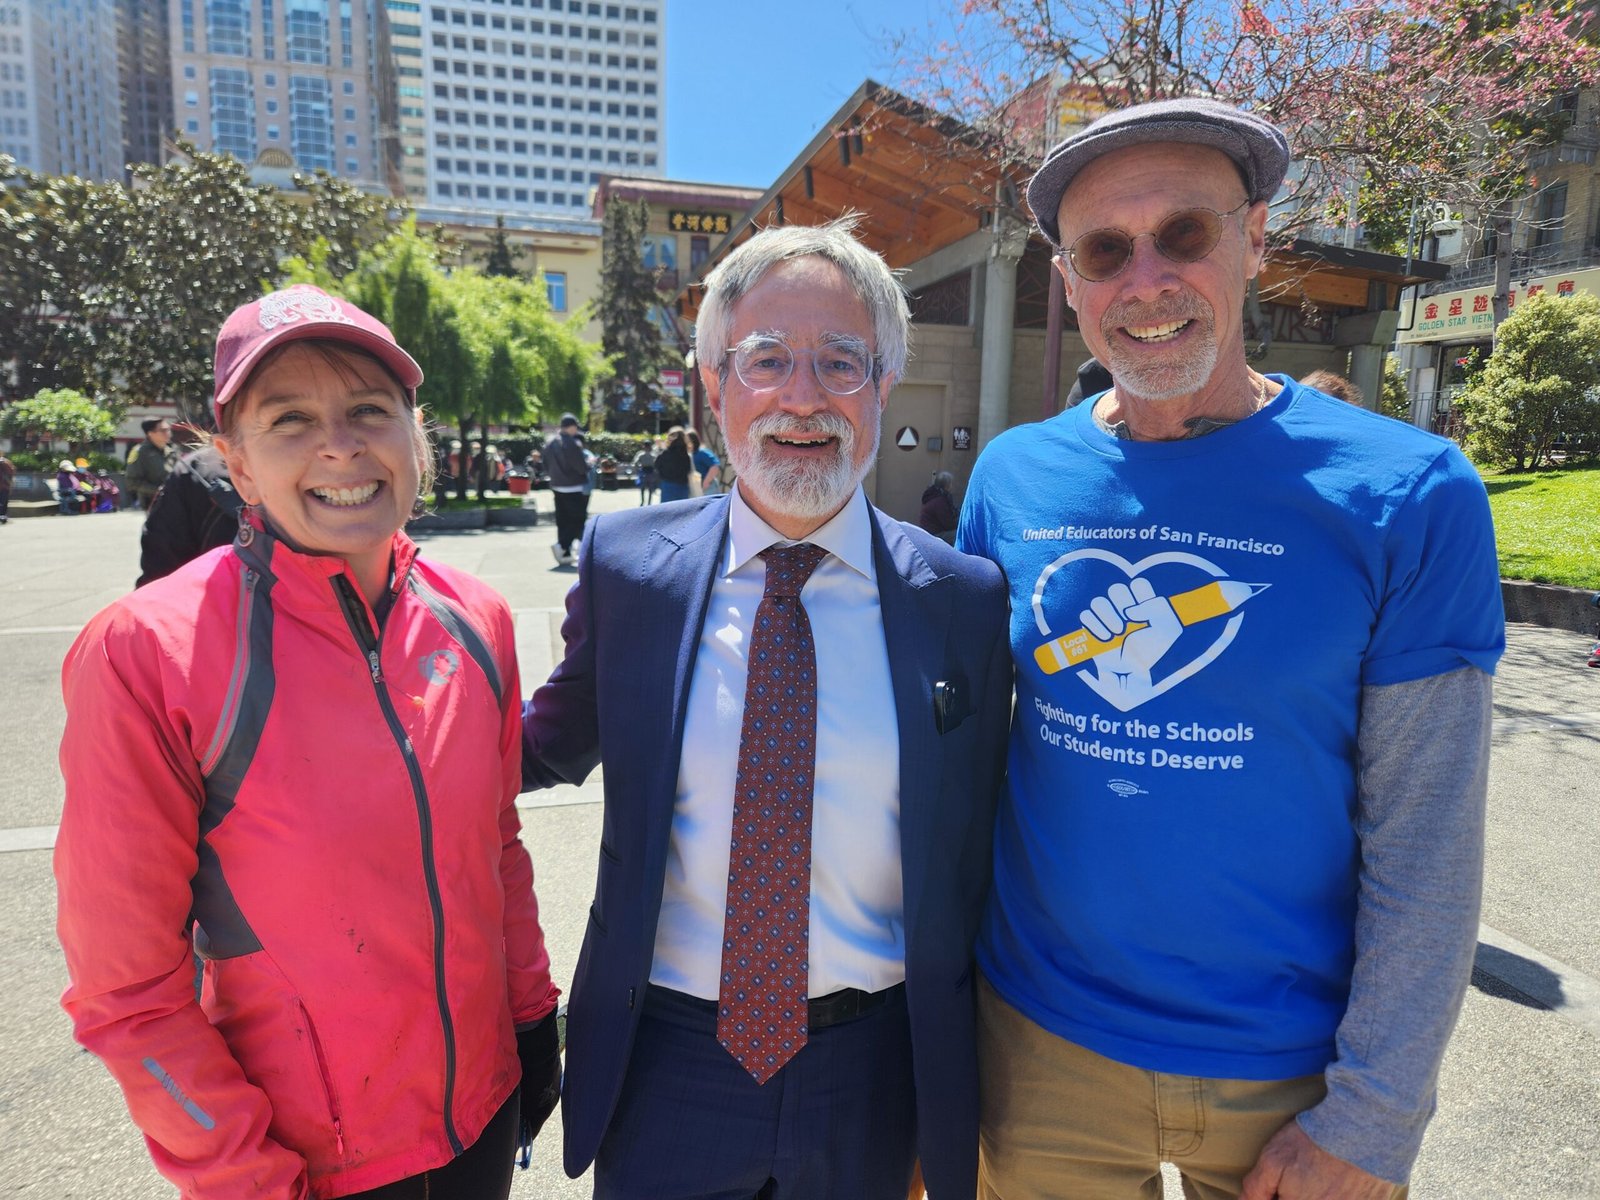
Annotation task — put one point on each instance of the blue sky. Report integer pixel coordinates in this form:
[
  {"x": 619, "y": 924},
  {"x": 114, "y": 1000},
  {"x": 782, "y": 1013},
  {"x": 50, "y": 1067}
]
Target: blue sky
[{"x": 750, "y": 82}]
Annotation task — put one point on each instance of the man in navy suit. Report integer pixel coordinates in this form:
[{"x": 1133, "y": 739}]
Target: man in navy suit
[{"x": 682, "y": 1079}]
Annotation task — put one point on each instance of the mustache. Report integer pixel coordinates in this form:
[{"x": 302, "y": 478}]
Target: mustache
[
  {"x": 780, "y": 424},
  {"x": 1169, "y": 308}
]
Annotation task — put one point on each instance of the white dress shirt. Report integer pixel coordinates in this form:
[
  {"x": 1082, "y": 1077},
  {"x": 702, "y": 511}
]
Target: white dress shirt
[{"x": 857, "y": 903}]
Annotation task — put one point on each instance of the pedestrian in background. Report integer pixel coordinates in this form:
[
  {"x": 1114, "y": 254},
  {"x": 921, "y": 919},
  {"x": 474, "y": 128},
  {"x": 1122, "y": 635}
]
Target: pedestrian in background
[
  {"x": 8, "y": 472},
  {"x": 69, "y": 496},
  {"x": 568, "y": 465},
  {"x": 149, "y": 461},
  {"x": 673, "y": 466},
  {"x": 707, "y": 466},
  {"x": 480, "y": 470},
  {"x": 196, "y": 510},
  {"x": 938, "y": 513},
  {"x": 644, "y": 470},
  {"x": 1337, "y": 386},
  {"x": 1092, "y": 379},
  {"x": 107, "y": 495},
  {"x": 298, "y": 757}
]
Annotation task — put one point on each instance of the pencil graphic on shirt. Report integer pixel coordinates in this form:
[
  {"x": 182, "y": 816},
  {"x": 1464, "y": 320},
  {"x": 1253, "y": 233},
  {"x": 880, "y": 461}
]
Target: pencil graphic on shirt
[{"x": 1213, "y": 599}]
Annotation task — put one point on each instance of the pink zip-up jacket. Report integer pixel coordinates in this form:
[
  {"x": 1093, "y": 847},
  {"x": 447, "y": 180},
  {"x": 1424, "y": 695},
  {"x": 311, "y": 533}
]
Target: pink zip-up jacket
[{"x": 321, "y": 806}]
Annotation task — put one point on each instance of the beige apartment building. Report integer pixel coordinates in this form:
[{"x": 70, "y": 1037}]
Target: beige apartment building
[{"x": 289, "y": 84}]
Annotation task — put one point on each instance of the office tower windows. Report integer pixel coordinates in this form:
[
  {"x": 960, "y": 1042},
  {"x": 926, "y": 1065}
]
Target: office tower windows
[
  {"x": 233, "y": 121},
  {"x": 311, "y": 122}
]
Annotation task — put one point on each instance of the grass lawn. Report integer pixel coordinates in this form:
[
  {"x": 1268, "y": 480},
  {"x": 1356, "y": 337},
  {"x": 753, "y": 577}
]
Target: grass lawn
[{"x": 1547, "y": 525}]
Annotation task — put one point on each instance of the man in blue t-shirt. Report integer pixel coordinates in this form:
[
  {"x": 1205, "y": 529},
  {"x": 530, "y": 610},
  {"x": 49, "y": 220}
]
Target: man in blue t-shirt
[{"x": 1237, "y": 874}]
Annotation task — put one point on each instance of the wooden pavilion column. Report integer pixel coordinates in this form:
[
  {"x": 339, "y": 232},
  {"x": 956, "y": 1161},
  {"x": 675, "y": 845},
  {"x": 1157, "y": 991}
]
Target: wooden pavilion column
[{"x": 1055, "y": 286}]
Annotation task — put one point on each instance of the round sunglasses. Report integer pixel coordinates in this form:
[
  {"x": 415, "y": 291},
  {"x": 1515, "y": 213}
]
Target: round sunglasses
[{"x": 1186, "y": 236}]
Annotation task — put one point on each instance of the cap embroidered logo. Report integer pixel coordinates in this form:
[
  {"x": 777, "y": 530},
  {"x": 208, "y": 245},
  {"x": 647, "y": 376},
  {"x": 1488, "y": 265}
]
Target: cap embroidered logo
[{"x": 300, "y": 304}]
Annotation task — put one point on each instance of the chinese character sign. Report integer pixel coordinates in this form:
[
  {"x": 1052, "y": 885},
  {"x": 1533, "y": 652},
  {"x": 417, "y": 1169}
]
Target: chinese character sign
[{"x": 683, "y": 221}]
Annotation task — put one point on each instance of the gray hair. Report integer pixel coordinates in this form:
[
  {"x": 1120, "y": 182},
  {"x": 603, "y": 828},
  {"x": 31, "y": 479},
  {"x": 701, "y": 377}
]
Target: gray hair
[{"x": 869, "y": 277}]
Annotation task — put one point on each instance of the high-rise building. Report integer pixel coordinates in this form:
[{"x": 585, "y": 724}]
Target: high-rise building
[
  {"x": 305, "y": 84},
  {"x": 146, "y": 70},
  {"x": 529, "y": 102},
  {"x": 405, "y": 47},
  {"x": 60, "y": 111}
]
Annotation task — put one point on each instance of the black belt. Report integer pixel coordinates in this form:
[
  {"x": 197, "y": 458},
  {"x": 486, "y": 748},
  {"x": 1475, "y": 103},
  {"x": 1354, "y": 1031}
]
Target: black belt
[{"x": 821, "y": 1012}]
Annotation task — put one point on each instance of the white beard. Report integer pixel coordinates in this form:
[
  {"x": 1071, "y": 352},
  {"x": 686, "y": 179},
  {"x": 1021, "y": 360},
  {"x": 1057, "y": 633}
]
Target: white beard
[
  {"x": 806, "y": 490},
  {"x": 1139, "y": 375}
]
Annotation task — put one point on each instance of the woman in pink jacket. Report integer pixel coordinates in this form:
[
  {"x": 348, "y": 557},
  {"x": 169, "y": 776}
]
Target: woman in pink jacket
[{"x": 296, "y": 757}]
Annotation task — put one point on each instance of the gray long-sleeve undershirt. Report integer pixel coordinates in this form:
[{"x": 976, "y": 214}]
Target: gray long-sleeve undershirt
[{"x": 1423, "y": 777}]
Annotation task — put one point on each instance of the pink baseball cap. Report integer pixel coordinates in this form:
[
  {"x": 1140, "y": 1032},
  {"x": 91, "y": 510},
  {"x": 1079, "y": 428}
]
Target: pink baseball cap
[{"x": 295, "y": 313}]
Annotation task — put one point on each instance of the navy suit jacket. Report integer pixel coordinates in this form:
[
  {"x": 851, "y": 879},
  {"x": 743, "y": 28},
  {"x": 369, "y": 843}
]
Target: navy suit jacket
[{"x": 632, "y": 631}]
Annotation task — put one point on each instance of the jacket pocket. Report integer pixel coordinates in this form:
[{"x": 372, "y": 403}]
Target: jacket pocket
[
  {"x": 269, "y": 1032},
  {"x": 324, "y": 1077}
]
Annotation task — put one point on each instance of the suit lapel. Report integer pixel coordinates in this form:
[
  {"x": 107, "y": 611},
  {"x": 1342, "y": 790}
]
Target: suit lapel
[
  {"x": 915, "y": 623},
  {"x": 676, "y": 574}
]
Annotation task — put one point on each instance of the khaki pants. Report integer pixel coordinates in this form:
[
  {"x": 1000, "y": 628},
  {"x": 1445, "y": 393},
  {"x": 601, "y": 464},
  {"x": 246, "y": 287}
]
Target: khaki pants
[{"x": 1058, "y": 1122}]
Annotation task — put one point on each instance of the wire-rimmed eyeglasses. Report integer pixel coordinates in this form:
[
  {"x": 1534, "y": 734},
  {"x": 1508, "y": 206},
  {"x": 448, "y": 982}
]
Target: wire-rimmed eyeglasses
[
  {"x": 843, "y": 366},
  {"x": 1186, "y": 236}
]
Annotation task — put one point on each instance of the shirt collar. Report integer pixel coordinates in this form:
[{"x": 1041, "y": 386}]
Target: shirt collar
[{"x": 847, "y": 535}]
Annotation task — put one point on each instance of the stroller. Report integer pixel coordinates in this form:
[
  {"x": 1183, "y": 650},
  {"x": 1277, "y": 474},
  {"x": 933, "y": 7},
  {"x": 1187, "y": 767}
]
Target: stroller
[{"x": 1594, "y": 653}]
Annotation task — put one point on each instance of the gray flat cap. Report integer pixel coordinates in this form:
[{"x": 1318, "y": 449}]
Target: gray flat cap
[{"x": 1257, "y": 146}]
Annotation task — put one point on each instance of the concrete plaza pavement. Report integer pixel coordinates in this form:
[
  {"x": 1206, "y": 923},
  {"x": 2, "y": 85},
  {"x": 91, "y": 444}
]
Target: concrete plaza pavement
[{"x": 1519, "y": 1106}]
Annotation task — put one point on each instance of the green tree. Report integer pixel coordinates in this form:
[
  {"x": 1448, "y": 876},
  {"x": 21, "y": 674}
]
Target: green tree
[
  {"x": 201, "y": 240},
  {"x": 1393, "y": 398},
  {"x": 630, "y": 337},
  {"x": 60, "y": 414},
  {"x": 1541, "y": 383},
  {"x": 345, "y": 220},
  {"x": 60, "y": 245},
  {"x": 501, "y": 260},
  {"x": 120, "y": 290},
  {"x": 490, "y": 349}
]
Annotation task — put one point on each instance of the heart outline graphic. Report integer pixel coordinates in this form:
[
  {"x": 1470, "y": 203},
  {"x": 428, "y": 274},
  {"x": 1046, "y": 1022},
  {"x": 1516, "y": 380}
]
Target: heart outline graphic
[{"x": 1122, "y": 700}]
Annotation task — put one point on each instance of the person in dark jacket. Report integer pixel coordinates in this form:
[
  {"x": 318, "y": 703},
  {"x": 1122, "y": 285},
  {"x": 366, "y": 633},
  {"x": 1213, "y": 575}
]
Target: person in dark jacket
[
  {"x": 8, "y": 472},
  {"x": 938, "y": 515},
  {"x": 196, "y": 510},
  {"x": 673, "y": 466},
  {"x": 568, "y": 466},
  {"x": 1093, "y": 378},
  {"x": 150, "y": 461}
]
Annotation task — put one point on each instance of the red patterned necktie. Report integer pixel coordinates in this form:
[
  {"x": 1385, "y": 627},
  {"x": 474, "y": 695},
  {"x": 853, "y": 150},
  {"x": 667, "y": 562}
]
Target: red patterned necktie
[{"x": 761, "y": 1010}]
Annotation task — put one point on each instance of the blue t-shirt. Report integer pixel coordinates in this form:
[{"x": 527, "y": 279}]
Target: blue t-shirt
[{"x": 1192, "y": 621}]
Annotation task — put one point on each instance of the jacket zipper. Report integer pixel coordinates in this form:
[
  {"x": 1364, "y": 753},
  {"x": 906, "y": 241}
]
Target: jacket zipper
[
  {"x": 327, "y": 1077},
  {"x": 355, "y": 615}
]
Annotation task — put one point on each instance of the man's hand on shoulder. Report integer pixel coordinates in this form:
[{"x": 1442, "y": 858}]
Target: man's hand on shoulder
[{"x": 1293, "y": 1167}]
